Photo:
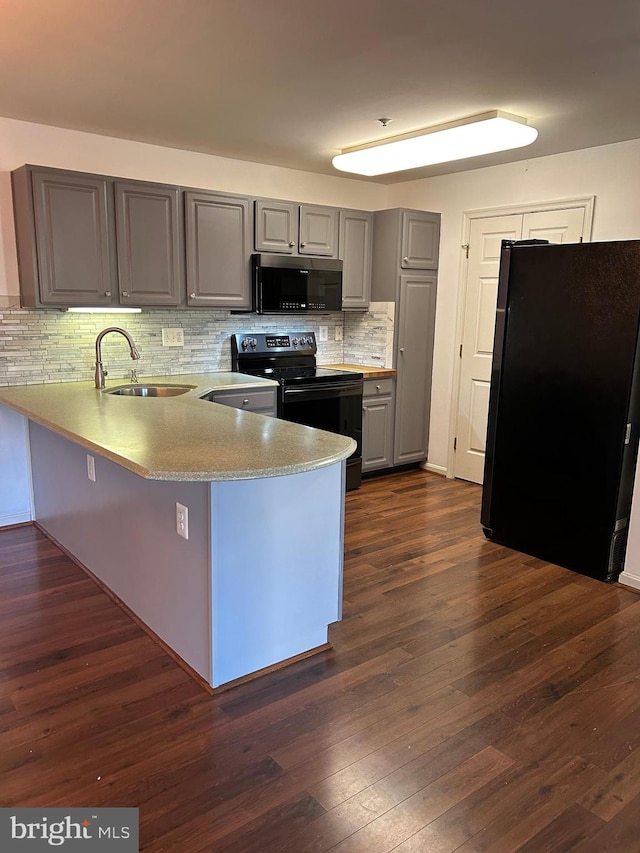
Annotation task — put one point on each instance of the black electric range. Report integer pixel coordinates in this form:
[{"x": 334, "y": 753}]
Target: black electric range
[{"x": 320, "y": 397}]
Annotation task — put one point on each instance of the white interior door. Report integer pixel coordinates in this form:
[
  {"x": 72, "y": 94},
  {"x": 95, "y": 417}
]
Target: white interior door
[{"x": 481, "y": 291}]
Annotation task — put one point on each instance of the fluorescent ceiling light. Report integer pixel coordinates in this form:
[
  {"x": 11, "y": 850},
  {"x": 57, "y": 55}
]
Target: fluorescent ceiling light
[
  {"x": 105, "y": 310},
  {"x": 470, "y": 137}
]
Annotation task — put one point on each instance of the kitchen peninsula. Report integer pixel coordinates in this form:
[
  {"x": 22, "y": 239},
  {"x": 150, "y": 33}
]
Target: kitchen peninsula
[{"x": 258, "y": 579}]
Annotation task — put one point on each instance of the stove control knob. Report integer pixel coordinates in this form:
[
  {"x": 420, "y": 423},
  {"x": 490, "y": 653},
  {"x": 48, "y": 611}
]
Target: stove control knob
[
  {"x": 254, "y": 343},
  {"x": 244, "y": 344},
  {"x": 295, "y": 342}
]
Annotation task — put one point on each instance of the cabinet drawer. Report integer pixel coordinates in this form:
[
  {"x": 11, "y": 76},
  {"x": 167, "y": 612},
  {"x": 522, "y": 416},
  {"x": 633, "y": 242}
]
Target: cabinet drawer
[
  {"x": 251, "y": 401},
  {"x": 377, "y": 387}
]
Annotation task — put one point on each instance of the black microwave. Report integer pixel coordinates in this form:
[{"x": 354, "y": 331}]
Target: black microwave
[{"x": 286, "y": 284}]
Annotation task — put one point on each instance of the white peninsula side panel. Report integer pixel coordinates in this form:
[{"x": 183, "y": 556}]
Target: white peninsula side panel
[
  {"x": 15, "y": 474},
  {"x": 277, "y": 560},
  {"x": 123, "y": 529}
]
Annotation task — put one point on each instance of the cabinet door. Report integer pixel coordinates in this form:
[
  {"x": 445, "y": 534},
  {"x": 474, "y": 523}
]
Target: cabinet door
[
  {"x": 262, "y": 402},
  {"x": 414, "y": 360},
  {"x": 420, "y": 240},
  {"x": 377, "y": 425},
  {"x": 74, "y": 238},
  {"x": 356, "y": 227},
  {"x": 149, "y": 243},
  {"x": 218, "y": 250},
  {"x": 276, "y": 227},
  {"x": 319, "y": 230}
]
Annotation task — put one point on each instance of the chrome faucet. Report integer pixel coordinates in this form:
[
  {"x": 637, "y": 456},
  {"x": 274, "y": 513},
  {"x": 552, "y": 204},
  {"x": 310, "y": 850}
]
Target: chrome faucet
[{"x": 101, "y": 373}]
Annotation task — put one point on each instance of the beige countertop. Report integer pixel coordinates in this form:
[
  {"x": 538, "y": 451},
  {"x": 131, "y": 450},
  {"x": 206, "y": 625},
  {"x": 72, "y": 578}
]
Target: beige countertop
[
  {"x": 179, "y": 438},
  {"x": 367, "y": 370}
]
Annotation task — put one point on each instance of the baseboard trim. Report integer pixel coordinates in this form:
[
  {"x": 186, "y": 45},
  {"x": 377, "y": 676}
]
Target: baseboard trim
[
  {"x": 15, "y": 519},
  {"x": 632, "y": 581},
  {"x": 435, "y": 469}
]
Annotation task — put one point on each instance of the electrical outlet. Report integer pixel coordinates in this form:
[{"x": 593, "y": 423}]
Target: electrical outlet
[
  {"x": 91, "y": 468},
  {"x": 324, "y": 333},
  {"x": 173, "y": 337},
  {"x": 182, "y": 521},
  {"x": 339, "y": 333}
]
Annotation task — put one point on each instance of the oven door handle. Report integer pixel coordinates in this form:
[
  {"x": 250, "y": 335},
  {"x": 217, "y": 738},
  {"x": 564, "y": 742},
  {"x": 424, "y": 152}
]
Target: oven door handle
[{"x": 323, "y": 391}]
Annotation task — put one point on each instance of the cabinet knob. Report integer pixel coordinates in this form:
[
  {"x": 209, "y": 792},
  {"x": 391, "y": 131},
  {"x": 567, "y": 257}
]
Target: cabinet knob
[
  {"x": 107, "y": 293},
  {"x": 302, "y": 245},
  {"x": 292, "y": 244},
  {"x": 125, "y": 292},
  {"x": 401, "y": 349},
  {"x": 192, "y": 296},
  {"x": 377, "y": 387},
  {"x": 405, "y": 260},
  {"x": 245, "y": 402}
]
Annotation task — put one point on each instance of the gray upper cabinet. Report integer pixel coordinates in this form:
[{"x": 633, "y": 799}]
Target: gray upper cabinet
[
  {"x": 149, "y": 243},
  {"x": 65, "y": 237},
  {"x": 218, "y": 248},
  {"x": 91, "y": 240},
  {"x": 402, "y": 237},
  {"x": 420, "y": 234},
  {"x": 319, "y": 230},
  {"x": 276, "y": 227},
  {"x": 356, "y": 228},
  {"x": 296, "y": 229}
]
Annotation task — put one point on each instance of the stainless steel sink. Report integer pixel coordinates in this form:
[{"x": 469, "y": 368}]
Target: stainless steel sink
[{"x": 150, "y": 390}]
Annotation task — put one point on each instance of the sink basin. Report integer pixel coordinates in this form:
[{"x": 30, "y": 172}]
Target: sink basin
[{"x": 150, "y": 390}]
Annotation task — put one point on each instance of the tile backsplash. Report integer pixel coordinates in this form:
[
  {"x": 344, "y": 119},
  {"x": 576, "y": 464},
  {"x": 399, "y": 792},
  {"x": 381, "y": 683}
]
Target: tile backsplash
[{"x": 55, "y": 346}]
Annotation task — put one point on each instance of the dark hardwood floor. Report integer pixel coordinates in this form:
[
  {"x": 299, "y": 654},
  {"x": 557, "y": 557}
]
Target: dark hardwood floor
[{"x": 476, "y": 699}]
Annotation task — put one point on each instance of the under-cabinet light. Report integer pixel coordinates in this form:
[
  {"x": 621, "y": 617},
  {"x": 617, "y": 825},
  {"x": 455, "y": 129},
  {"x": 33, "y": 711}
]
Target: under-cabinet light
[
  {"x": 469, "y": 137},
  {"x": 105, "y": 310}
]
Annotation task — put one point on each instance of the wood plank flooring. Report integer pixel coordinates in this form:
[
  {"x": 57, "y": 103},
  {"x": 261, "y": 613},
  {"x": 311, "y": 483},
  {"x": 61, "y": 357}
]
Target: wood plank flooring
[{"x": 476, "y": 699}]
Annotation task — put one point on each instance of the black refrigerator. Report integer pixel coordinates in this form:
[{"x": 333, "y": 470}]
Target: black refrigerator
[{"x": 562, "y": 434}]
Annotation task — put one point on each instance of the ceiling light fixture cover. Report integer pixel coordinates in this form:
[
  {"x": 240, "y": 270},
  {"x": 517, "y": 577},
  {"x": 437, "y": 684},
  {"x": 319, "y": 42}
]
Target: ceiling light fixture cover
[{"x": 469, "y": 137}]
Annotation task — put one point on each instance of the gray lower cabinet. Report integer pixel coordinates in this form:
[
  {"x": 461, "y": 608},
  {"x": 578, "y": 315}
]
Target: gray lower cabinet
[
  {"x": 89, "y": 240},
  {"x": 296, "y": 229},
  {"x": 402, "y": 239},
  {"x": 262, "y": 401},
  {"x": 218, "y": 248},
  {"x": 355, "y": 241},
  {"x": 378, "y": 412}
]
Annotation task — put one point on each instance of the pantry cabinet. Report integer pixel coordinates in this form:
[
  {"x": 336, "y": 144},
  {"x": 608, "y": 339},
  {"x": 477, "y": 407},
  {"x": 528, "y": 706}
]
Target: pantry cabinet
[
  {"x": 296, "y": 229},
  {"x": 404, "y": 241}
]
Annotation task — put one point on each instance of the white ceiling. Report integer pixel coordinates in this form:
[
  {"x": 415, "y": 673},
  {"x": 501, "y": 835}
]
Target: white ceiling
[{"x": 291, "y": 82}]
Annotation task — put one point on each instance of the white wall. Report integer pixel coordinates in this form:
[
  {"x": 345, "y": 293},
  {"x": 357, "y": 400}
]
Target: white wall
[
  {"x": 24, "y": 142},
  {"x": 611, "y": 173},
  {"x": 15, "y": 475}
]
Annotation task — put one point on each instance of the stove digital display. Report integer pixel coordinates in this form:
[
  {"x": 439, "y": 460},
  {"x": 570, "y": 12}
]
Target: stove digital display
[{"x": 275, "y": 341}]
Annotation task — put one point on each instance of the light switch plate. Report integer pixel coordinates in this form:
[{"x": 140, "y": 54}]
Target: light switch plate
[
  {"x": 324, "y": 333},
  {"x": 173, "y": 337}
]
